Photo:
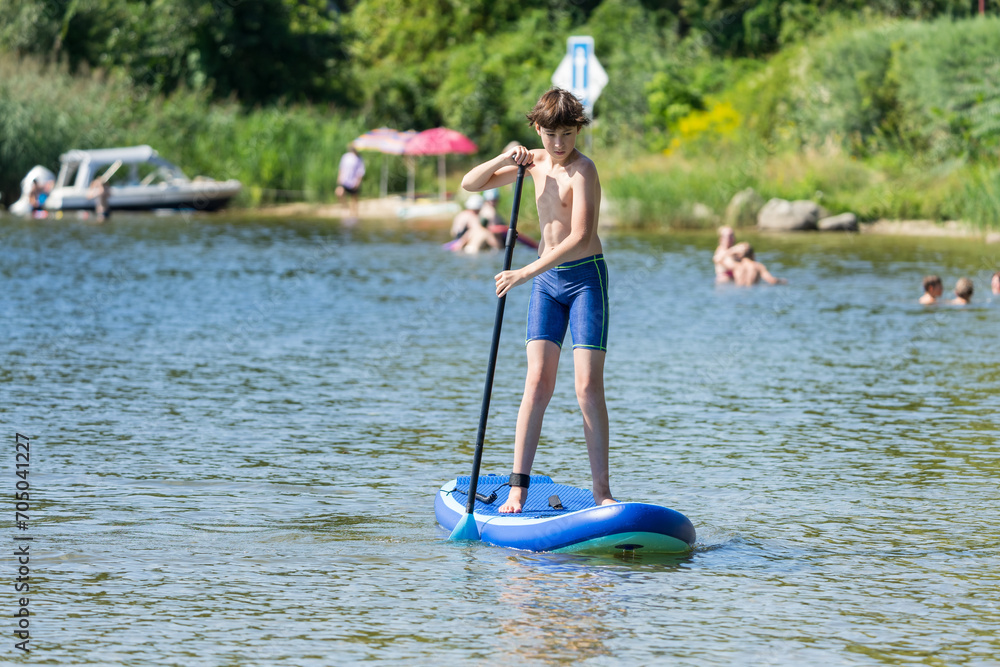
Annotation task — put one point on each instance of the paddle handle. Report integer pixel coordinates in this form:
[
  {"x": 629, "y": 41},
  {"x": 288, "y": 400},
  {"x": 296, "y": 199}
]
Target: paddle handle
[{"x": 508, "y": 257}]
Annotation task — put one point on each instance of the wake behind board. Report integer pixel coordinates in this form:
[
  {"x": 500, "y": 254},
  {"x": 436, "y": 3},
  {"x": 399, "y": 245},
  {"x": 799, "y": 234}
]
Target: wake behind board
[{"x": 579, "y": 527}]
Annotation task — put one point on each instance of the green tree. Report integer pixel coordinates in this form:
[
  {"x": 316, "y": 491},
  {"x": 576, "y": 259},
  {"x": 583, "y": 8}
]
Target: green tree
[
  {"x": 30, "y": 26},
  {"x": 635, "y": 45},
  {"x": 258, "y": 52},
  {"x": 402, "y": 52},
  {"x": 489, "y": 84},
  {"x": 268, "y": 50}
]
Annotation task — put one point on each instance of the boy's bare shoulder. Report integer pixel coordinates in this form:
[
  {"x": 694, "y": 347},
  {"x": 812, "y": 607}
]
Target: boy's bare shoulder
[
  {"x": 583, "y": 166},
  {"x": 540, "y": 157}
]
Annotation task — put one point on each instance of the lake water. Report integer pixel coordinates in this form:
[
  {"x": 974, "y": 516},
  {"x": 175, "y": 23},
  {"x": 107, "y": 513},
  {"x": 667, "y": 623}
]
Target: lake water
[{"x": 237, "y": 428}]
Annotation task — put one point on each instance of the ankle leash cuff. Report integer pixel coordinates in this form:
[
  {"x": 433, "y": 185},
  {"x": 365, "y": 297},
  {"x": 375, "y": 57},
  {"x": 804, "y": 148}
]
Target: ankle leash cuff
[{"x": 520, "y": 479}]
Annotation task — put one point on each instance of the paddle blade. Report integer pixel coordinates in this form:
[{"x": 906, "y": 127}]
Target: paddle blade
[{"x": 465, "y": 529}]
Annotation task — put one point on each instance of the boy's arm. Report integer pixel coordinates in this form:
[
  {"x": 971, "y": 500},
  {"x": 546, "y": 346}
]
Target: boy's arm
[
  {"x": 459, "y": 223},
  {"x": 501, "y": 170},
  {"x": 766, "y": 275},
  {"x": 729, "y": 258},
  {"x": 583, "y": 227}
]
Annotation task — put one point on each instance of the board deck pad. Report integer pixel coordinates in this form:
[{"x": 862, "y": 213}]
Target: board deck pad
[{"x": 536, "y": 504}]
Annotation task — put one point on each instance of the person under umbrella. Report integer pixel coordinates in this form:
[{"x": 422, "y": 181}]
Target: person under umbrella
[{"x": 349, "y": 175}]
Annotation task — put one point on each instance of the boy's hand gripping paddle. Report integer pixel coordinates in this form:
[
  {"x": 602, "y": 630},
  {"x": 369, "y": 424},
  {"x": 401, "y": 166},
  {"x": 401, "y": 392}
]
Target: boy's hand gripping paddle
[{"x": 466, "y": 528}]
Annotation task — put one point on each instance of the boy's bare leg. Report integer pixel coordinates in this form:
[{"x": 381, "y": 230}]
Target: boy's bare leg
[
  {"x": 543, "y": 360},
  {"x": 589, "y": 371}
]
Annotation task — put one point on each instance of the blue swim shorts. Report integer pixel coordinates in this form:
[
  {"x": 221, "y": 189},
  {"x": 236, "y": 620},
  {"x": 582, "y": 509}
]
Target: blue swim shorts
[{"x": 575, "y": 295}]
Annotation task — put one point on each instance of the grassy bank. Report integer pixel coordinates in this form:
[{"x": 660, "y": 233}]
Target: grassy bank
[
  {"x": 278, "y": 153},
  {"x": 886, "y": 119},
  {"x": 680, "y": 190}
]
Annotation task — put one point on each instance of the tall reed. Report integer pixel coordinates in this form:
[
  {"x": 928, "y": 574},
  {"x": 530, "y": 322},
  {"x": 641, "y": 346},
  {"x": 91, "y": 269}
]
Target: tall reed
[{"x": 276, "y": 152}]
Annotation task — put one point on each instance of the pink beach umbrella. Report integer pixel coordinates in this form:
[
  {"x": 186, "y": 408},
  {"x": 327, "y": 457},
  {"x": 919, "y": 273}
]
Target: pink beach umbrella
[
  {"x": 440, "y": 141},
  {"x": 387, "y": 141},
  {"x": 384, "y": 140}
]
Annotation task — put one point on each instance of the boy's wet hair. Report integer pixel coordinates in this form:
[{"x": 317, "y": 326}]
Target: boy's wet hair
[
  {"x": 558, "y": 108},
  {"x": 931, "y": 281},
  {"x": 963, "y": 288}
]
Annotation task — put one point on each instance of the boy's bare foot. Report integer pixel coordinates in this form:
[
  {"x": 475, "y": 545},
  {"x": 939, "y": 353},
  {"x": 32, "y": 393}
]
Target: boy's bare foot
[
  {"x": 515, "y": 500},
  {"x": 603, "y": 498}
]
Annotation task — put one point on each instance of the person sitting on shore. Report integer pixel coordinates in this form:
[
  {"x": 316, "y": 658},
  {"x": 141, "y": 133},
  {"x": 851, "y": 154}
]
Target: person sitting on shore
[
  {"x": 723, "y": 256},
  {"x": 963, "y": 292},
  {"x": 468, "y": 229},
  {"x": 747, "y": 271},
  {"x": 933, "y": 289}
]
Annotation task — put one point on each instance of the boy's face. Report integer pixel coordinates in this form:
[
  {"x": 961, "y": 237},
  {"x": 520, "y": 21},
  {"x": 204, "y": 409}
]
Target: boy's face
[
  {"x": 559, "y": 142},
  {"x": 936, "y": 290}
]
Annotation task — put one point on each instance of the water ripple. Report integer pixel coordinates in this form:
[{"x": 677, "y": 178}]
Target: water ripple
[{"x": 239, "y": 428}]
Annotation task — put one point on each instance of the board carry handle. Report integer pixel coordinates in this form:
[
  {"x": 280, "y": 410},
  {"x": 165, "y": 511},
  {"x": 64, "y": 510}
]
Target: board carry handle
[
  {"x": 482, "y": 497},
  {"x": 466, "y": 528}
]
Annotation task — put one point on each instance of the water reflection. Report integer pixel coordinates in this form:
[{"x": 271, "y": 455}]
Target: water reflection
[{"x": 558, "y": 615}]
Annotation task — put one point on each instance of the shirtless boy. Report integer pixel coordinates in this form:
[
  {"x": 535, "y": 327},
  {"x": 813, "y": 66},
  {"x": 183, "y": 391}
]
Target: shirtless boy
[
  {"x": 747, "y": 270},
  {"x": 963, "y": 292},
  {"x": 933, "y": 289},
  {"x": 569, "y": 284}
]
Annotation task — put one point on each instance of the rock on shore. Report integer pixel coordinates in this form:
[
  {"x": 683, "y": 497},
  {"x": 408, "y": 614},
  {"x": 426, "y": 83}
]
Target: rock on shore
[
  {"x": 742, "y": 209},
  {"x": 786, "y": 216},
  {"x": 845, "y": 222}
]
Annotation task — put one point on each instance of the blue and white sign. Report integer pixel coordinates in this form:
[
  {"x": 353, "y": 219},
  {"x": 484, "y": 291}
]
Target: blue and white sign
[{"x": 580, "y": 72}]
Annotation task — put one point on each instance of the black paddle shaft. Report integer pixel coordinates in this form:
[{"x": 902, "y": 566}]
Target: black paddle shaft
[{"x": 508, "y": 257}]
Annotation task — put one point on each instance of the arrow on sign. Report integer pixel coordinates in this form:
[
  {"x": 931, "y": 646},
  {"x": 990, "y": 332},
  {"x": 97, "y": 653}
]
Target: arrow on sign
[{"x": 580, "y": 72}]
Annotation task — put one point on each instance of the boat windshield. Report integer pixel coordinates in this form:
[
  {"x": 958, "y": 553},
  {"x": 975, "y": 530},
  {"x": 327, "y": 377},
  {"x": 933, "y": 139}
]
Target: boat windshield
[
  {"x": 67, "y": 174},
  {"x": 121, "y": 167},
  {"x": 145, "y": 174}
]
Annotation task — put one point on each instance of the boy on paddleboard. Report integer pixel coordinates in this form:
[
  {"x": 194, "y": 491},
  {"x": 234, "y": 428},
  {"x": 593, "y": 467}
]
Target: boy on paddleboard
[{"x": 569, "y": 284}]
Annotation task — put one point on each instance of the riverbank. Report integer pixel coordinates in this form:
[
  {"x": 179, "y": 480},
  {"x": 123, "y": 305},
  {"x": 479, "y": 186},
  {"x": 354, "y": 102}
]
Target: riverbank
[
  {"x": 949, "y": 228},
  {"x": 434, "y": 211},
  {"x": 384, "y": 208}
]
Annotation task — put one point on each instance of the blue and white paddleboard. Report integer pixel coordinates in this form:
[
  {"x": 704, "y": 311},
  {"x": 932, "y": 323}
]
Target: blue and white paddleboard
[{"x": 579, "y": 527}]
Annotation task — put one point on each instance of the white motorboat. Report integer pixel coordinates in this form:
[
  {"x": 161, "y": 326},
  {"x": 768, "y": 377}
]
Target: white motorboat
[{"x": 137, "y": 177}]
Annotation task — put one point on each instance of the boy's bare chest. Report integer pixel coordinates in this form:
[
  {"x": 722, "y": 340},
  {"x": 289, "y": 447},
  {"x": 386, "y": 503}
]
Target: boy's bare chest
[{"x": 553, "y": 194}]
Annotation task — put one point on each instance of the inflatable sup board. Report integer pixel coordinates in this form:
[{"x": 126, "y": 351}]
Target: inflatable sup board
[{"x": 562, "y": 518}]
